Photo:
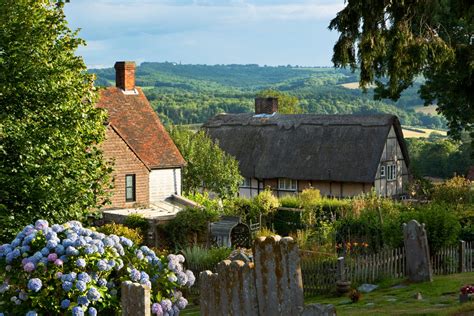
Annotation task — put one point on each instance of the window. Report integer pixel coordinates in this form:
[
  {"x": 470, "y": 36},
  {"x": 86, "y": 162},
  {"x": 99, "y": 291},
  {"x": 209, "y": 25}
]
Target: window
[
  {"x": 130, "y": 188},
  {"x": 382, "y": 171},
  {"x": 287, "y": 184},
  {"x": 246, "y": 183},
  {"x": 391, "y": 172}
]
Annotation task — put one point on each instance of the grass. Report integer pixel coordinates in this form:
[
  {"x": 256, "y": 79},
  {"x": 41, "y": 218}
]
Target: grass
[
  {"x": 440, "y": 297},
  {"x": 431, "y": 109},
  {"x": 418, "y": 132}
]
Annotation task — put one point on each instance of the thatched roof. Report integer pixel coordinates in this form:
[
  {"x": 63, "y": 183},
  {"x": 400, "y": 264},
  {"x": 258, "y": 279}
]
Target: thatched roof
[{"x": 344, "y": 148}]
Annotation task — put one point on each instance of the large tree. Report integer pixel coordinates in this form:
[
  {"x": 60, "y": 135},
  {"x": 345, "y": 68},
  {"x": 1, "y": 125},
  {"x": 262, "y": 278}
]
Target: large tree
[
  {"x": 50, "y": 164},
  {"x": 393, "y": 42},
  {"x": 207, "y": 164}
]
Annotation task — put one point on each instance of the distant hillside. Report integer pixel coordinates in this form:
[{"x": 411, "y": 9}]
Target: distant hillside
[{"x": 190, "y": 94}]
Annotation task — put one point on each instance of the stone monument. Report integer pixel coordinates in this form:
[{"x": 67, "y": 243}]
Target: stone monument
[{"x": 418, "y": 265}]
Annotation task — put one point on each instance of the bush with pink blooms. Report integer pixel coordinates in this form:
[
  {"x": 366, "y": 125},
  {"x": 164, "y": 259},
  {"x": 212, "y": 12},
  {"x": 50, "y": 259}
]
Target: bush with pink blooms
[{"x": 71, "y": 270}]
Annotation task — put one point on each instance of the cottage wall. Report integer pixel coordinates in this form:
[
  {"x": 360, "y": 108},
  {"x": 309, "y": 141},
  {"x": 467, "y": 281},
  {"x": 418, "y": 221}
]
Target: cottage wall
[
  {"x": 392, "y": 154},
  {"x": 163, "y": 183},
  {"x": 125, "y": 162}
]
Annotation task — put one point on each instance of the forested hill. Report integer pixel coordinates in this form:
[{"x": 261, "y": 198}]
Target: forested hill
[{"x": 188, "y": 94}]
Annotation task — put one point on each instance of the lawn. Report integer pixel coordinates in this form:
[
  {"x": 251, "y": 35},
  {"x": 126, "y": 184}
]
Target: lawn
[{"x": 394, "y": 297}]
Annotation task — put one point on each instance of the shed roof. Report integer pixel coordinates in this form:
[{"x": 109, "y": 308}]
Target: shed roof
[
  {"x": 133, "y": 118},
  {"x": 343, "y": 148}
]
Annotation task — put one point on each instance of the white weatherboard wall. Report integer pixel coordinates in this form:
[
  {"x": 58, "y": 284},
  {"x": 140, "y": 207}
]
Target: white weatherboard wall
[{"x": 163, "y": 183}]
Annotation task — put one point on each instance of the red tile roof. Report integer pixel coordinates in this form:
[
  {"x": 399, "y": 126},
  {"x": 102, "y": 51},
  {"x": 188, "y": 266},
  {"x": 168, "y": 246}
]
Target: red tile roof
[{"x": 137, "y": 123}]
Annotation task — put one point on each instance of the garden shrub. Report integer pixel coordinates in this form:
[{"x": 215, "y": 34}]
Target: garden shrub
[
  {"x": 242, "y": 207},
  {"x": 455, "y": 190},
  {"x": 189, "y": 226},
  {"x": 290, "y": 201},
  {"x": 121, "y": 230},
  {"x": 266, "y": 202},
  {"x": 287, "y": 221},
  {"x": 137, "y": 221},
  {"x": 205, "y": 257},
  {"x": 66, "y": 269}
]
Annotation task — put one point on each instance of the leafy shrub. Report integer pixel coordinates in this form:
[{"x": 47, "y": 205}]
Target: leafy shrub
[
  {"x": 121, "y": 230},
  {"x": 310, "y": 198},
  {"x": 137, "y": 221},
  {"x": 287, "y": 221},
  {"x": 207, "y": 257},
  {"x": 67, "y": 268},
  {"x": 189, "y": 226},
  {"x": 242, "y": 207},
  {"x": 455, "y": 190},
  {"x": 266, "y": 202},
  {"x": 204, "y": 200},
  {"x": 264, "y": 232},
  {"x": 290, "y": 201}
]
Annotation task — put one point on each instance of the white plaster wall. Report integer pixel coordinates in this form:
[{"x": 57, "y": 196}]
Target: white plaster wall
[{"x": 163, "y": 183}]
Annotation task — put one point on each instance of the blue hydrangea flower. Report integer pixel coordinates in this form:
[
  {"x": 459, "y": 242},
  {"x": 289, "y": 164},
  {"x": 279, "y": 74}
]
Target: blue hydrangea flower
[
  {"x": 32, "y": 313},
  {"x": 93, "y": 294},
  {"x": 45, "y": 251},
  {"x": 65, "y": 303},
  {"x": 67, "y": 286},
  {"x": 83, "y": 300},
  {"x": 92, "y": 311},
  {"x": 41, "y": 224},
  {"x": 191, "y": 278},
  {"x": 102, "y": 282},
  {"x": 181, "y": 303},
  {"x": 81, "y": 263},
  {"x": 166, "y": 305},
  {"x": 156, "y": 309},
  {"x": 81, "y": 286},
  {"x": 102, "y": 265},
  {"x": 77, "y": 311},
  {"x": 84, "y": 277},
  {"x": 35, "y": 284},
  {"x": 71, "y": 251},
  {"x": 144, "y": 275},
  {"x": 135, "y": 275}
]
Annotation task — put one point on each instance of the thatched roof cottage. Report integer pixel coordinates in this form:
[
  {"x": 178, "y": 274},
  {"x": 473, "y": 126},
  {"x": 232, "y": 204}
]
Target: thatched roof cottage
[{"x": 341, "y": 155}]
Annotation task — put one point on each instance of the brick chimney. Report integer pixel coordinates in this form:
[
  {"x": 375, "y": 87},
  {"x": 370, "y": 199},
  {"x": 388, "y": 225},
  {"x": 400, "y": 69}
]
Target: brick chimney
[
  {"x": 125, "y": 75},
  {"x": 266, "y": 105}
]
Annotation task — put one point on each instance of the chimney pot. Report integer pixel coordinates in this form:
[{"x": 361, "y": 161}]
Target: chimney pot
[
  {"x": 266, "y": 105},
  {"x": 125, "y": 75}
]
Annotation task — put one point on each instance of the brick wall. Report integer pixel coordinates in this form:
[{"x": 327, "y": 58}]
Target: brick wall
[{"x": 125, "y": 162}]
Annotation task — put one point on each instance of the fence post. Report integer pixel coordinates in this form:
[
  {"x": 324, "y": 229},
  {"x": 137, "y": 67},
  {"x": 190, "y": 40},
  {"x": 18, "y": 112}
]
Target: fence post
[
  {"x": 341, "y": 269},
  {"x": 135, "y": 299},
  {"x": 461, "y": 255}
]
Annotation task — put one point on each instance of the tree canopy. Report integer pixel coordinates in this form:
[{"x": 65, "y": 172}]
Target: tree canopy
[
  {"x": 50, "y": 163},
  {"x": 393, "y": 42},
  {"x": 208, "y": 166},
  {"x": 287, "y": 104}
]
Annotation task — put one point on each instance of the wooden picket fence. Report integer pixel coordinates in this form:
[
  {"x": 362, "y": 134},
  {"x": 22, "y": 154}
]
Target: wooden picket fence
[{"x": 319, "y": 274}]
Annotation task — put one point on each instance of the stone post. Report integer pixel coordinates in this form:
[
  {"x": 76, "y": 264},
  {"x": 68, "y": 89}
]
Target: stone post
[
  {"x": 135, "y": 299},
  {"x": 461, "y": 256},
  {"x": 278, "y": 276},
  {"x": 341, "y": 269},
  {"x": 418, "y": 264}
]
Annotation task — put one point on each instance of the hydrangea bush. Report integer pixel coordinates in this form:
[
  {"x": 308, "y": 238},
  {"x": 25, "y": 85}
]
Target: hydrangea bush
[{"x": 68, "y": 269}]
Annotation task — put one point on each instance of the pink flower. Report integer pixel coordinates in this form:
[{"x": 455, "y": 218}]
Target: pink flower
[
  {"x": 29, "y": 267},
  {"x": 58, "y": 262},
  {"x": 52, "y": 257}
]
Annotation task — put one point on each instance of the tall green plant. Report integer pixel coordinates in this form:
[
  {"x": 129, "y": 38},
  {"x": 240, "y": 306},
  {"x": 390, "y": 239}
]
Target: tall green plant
[{"x": 51, "y": 165}]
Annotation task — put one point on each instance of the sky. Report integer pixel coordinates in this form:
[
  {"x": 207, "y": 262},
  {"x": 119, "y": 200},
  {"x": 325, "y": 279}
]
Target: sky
[{"x": 265, "y": 32}]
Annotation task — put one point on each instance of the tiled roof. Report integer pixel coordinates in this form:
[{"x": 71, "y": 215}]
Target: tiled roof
[{"x": 133, "y": 118}]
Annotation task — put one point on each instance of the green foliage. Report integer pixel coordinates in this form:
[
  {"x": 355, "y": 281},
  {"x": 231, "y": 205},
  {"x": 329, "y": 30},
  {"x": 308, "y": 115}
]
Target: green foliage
[
  {"x": 190, "y": 226},
  {"x": 137, "y": 221},
  {"x": 402, "y": 40},
  {"x": 204, "y": 200},
  {"x": 287, "y": 221},
  {"x": 457, "y": 190},
  {"x": 290, "y": 201},
  {"x": 207, "y": 257},
  {"x": 134, "y": 234},
  {"x": 50, "y": 162},
  {"x": 264, "y": 232},
  {"x": 287, "y": 104},
  {"x": 242, "y": 207},
  {"x": 206, "y": 164},
  {"x": 439, "y": 157},
  {"x": 266, "y": 202}
]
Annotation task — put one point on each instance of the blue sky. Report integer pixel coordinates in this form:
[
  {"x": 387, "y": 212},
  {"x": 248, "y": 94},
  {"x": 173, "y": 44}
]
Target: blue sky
[{"x": 264, "y": 32}]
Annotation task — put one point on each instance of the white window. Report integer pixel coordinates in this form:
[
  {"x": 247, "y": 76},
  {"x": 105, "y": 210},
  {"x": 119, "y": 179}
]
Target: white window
[
  {"x": 287, "y": 184},
  {"x": 246, "y": 183},
  {"x": 382, "y": 171},
  {"x": 391, "y": 172}
]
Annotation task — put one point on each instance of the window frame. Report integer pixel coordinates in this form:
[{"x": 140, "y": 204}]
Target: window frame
[
  {"x": 391, "y": 172},
  {"x": 286, "y": 184},
  {"x": 246, "y": 182},
  {"x": 382, "y": 171},
  {"x": 133, "y": 198}
]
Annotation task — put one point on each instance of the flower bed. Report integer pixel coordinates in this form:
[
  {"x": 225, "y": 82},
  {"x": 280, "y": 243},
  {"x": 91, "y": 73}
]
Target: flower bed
[{"x": 68, "y": 269}]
